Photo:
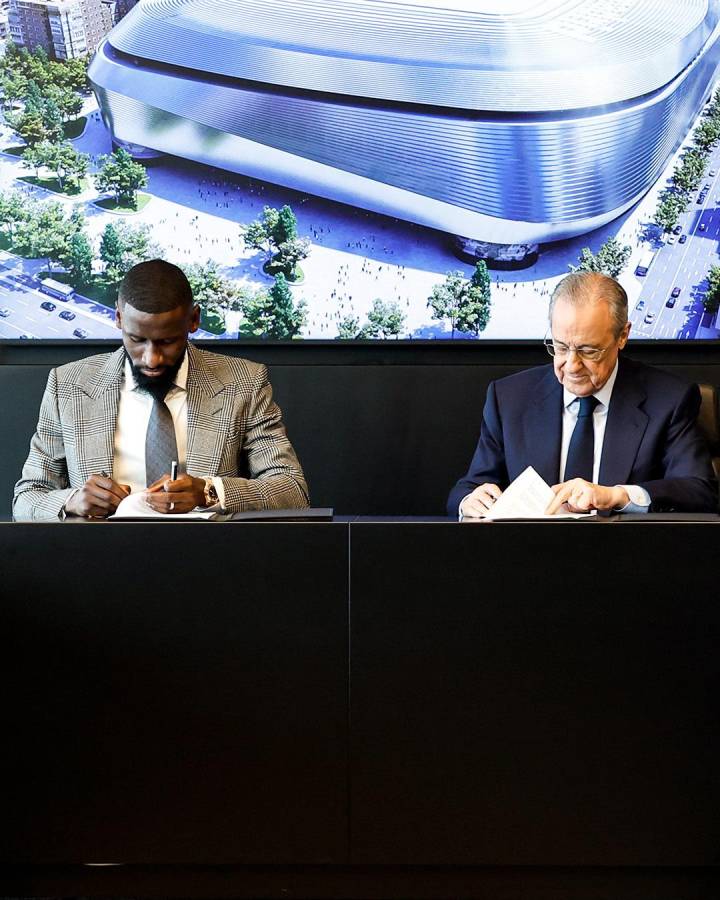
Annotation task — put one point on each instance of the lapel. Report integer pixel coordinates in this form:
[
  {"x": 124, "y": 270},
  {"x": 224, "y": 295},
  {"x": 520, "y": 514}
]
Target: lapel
[
  {"x": 209, "y": 416},
  {"x": 97, "y": 416},
  {"x": 626, "y": 425},
  {"x": 544, "y": 431}
]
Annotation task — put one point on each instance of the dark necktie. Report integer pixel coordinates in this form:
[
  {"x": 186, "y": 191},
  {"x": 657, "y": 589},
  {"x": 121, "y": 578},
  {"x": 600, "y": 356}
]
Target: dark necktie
[
  {"x": 160, "y": 443},
  {"x": 581, "y": 451}
]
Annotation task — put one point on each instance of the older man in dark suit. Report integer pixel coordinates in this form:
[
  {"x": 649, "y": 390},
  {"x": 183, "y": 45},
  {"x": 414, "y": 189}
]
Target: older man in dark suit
[
  {"x": 114, "y": 424},
  {"x": 605, "y": 432}
]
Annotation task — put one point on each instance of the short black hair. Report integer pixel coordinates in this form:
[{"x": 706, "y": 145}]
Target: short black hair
[{"x": 155, "y": 286}]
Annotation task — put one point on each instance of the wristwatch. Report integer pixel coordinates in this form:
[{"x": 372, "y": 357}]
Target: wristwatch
[{"x": 211, "y": 495}]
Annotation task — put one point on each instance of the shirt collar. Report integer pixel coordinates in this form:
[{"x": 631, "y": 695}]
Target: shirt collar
[
  {"x": 180, "y": 377},
  {"x": 603, "y": 395}
]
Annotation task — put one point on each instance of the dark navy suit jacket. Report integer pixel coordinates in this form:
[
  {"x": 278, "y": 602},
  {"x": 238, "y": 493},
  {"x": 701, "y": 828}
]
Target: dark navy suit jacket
[{"x": 650, "y": 438}]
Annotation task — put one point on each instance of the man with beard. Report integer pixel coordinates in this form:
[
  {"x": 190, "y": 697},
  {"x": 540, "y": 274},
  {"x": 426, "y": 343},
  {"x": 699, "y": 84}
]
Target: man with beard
[{"x": 114, "y": 424}]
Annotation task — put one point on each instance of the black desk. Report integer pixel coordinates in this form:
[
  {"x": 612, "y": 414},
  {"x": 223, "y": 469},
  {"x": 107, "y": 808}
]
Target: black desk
[
  {"x": 175, "y": 692},
  {"x": 529, "y": 710}
]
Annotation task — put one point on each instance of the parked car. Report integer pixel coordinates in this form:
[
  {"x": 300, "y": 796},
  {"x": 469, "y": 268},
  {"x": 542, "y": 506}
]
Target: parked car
[
  {"x": 712, "y": 173},
  {"x": 46, "y": 304},
  {"x": 670, "y": 302},
  {"x": 671, "y": 239},
  {"x": 640, "y": 305},
  {"x": 701, "y": 198},
  {"x": 4, "y": 312},
  {"x": 68, "y": 315},
  {"x": 677, "y": 229},
  {"x": 80, "y": 333},
  {"x": 675, "y": 292},
  {"x": 650, "y": 317},
  {"x": 682, "y": 239}
]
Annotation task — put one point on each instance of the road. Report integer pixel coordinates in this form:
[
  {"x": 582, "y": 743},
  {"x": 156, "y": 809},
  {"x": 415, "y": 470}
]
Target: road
[{"x": 683, "y": 265}]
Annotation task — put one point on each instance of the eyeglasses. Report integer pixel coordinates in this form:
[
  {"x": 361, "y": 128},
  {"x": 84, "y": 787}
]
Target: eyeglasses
[{"x": 587, "y": 354}]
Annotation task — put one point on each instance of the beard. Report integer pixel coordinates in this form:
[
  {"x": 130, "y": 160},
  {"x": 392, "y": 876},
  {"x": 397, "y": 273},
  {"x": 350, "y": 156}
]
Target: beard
[{"x": 160, "y": 384}]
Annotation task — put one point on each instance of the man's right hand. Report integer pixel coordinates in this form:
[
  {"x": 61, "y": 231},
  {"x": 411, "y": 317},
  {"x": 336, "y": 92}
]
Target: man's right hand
[
  {"x": 478, "y": 503},
  {"x": 98, "y": 498}
]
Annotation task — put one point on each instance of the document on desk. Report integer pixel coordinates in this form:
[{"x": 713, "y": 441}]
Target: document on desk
[
  {"x": 134, "y": 506},
  {"x": 527, "y": 498}
]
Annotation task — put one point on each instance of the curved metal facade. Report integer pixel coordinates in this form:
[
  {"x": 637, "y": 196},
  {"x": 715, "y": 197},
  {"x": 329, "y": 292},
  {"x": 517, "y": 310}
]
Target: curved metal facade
[{"x": 534, "y": 124}]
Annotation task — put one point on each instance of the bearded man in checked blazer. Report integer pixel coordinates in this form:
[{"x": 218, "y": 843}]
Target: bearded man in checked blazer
[{"x": 89, "y": 451}]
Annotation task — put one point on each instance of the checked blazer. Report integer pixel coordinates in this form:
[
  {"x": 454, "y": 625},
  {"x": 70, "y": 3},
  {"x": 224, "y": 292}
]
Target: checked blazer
[{"x": 235, "y": 431}]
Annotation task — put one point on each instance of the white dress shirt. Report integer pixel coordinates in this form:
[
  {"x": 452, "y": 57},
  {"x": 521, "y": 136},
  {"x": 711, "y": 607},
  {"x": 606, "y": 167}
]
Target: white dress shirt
[
  {"x": 639, "y": 497},
  {"x": 131, "y": 429}
]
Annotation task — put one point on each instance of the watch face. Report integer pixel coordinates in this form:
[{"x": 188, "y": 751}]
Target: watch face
[{"x": 211, "y": 495}]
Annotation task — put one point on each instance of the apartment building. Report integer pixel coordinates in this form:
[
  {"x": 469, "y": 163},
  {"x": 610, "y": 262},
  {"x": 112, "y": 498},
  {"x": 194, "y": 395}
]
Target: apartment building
[{"x": 66, "y": 29}]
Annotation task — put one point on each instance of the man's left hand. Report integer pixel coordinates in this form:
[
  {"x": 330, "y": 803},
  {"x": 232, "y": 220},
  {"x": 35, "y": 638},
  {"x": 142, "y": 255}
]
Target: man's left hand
[
  {"x": 582, "y": 496},
  {"x": 179, "y": 496}
]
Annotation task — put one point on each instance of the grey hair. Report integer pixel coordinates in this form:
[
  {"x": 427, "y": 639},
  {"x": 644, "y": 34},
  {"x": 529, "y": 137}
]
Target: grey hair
[{"x": 593, "y": 287}]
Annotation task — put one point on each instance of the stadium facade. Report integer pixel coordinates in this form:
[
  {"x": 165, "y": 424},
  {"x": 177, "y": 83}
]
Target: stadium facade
[{"x": 509, "y": 122}]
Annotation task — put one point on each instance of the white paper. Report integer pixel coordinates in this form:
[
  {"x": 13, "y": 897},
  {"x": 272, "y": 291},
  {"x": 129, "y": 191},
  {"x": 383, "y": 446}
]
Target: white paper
[
  {"x": 527, "y": 498},
  {"x": 134, "y": 506}
]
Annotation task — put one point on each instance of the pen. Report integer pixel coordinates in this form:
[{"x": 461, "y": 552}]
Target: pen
[{"x": 173, "y": 470}]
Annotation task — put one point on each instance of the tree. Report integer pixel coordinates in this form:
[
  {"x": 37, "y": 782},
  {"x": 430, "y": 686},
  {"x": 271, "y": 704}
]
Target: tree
[
  {"x": 275, "y": 233},
  {"x": 285, "y": 228},
  {"x": 290, "y": 253},
  {"x": 14, "y": 88},
  {"x": 711, "y": 301},
  {"x": 14, "y": 209},
  {"x": 111, "y": 252},
  {"x": 256, "y": 237},
  {"x": 69, "y": 103},
  {"x": 79, "y": 259},
  {"x": 46, "y": 232},
  {"x": 211, "y": 290},
  {"x": 670, "y": 206},
  {"x": 29, "y": 126},
  {"x": 610, "y": 259},
  {"x": 348, "y": 329},
  {"x": 69, "y": 165},
  {"x": 122, "y": 247},
  {"x": 121, "y": 175},
  {"x": 37, "y": 156},
  {"x": 475, "y": 313},
  {"x": 448, "y": 299},
  {"x": 384, "y": 320},
  {"x": 272, "y": 314},
  {"x": 707, "y": 134}
]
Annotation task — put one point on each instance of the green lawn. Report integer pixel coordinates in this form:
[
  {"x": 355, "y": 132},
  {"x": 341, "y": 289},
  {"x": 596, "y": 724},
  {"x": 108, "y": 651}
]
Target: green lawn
[
  {"x": 272, "y": 269},
  {"x": 52, "y": 184},
  {"x": 212, "y": 322},
  {"x": 111, "y": 205},
  {"x": 75, "y": 128}
]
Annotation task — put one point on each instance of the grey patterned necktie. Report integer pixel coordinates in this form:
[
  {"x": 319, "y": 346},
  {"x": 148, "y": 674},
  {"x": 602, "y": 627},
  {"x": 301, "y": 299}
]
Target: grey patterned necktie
[{"x": 160, "y": 443}]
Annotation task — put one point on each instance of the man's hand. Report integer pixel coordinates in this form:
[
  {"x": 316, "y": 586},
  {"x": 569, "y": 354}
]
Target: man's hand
[
  {"x": 583, "y": 496},
  {"x": 477, "y": 504},
  {"x": 179, "y": 496},
  {"x": 98, "y": 498}
]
